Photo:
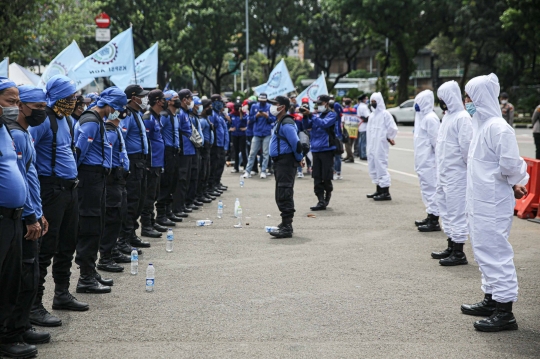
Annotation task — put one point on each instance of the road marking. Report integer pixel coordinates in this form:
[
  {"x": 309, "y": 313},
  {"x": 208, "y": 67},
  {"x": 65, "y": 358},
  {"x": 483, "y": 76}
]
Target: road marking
[
  {"x": 401, "y": 149},
  {"x": 390, "y": 170}
]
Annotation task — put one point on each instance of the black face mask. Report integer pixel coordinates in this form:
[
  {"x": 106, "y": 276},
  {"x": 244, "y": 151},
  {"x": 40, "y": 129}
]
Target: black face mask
[
  {"x": 165, "y": 105},
  {"x": 177, "y": 103},
  {"x": 36, "y": 118},
  {"x": 373, "y": 105},
  {"x": 443, "y": 106},
  {"x": 208, "y": 111}
]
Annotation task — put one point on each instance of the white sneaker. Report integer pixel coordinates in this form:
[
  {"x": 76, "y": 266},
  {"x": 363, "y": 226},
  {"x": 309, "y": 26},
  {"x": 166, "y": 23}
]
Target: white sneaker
[
  {"x": 335, "y": 177},
  {"x": 338, "y": 176},
  {"x": 253, "y": 173},
  {"x": 263, "y": 175},
  {"x": 246, "y": 175},
  {"x": 300, "y": 175}
]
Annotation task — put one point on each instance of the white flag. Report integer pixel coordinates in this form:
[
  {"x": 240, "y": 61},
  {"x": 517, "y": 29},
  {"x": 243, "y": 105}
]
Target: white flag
[
  {"x": 314, "y": 90},
  {"x": 115, "y": 58},
  {"x": 279, "y": 82},
  {"x": 63, "y": 63},
  {"x": 146, "y": 69},
  {"x": 4, "y": 67}
]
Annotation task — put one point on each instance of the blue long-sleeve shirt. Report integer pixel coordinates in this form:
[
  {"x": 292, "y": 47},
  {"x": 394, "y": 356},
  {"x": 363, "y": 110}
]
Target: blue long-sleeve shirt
[
  {"x": 338, "y": 109},
  {"x": 262, "y": 126},
  {"x": 238, "y": 123},
  {"x": 119, "y": 153},
  {"x": 225, "y": 125},
  {"x": 132, "y": 130},
  {"x": 220, "y": 129},
  {"x": 169, "y": 129},
  {"x": 13, "y": 187},
  {"x": 288, "y": 140},
  {"x": 319, "y": 135},
  {"x": 65, "y": 167},
  {"x": 157, "y": 146},
  {"x": 207, "y": 132},
  {"x": 90, "y": 143},
  {"x": 185, "y": 129}
]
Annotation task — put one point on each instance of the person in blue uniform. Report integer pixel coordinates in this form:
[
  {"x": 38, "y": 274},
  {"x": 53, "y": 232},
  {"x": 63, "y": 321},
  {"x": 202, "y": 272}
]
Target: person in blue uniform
[
  {"x": 323, "y": 134},
  {"x": 338, "y": 109},
  {"x": 13, "y": 196},
  {"x": 198, "y": 143},
  {"x": 156, "y": 160},
  {"x": 136, "y": 142},
  {"x": 208, "y": 134},
  {"x": 238, "y": 135},
  {"x": 94, "y": 160},
  {"x": 217, "y": 153},
  {"x": 249, "y": 135},
  {"x": 57, "y": 172},
  {"x": 286, "y": 153}
]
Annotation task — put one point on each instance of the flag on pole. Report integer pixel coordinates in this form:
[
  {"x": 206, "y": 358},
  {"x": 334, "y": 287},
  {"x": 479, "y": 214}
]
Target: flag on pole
[
  {"x": 279, "y": 82},
  {"x": 115, "y": 58},
  {"x": 63, "y": 63},
  {"x": 4, "y": 67},
  {"x": 146, "y": 69},
  {"x": 314, "y": 90}
]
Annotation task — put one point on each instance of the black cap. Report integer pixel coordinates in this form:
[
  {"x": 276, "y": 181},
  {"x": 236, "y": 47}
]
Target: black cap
[
  {"x": 361, "y": 97},
  {"x": 216, "y": 97},
  {"x": 323, "y": 98},
  {"x": 504, "y": 95},
  {"x": 154, "y": 96},
  {"x": 135, "y": 90},
  {"x": 206, "y": 102},
  {"x": 182, "y": 94},
  {"x": 262, "y": 97},
  {"x": 281, "y": 100}
]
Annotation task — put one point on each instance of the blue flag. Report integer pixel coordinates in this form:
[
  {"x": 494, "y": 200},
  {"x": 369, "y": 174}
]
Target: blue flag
[
  {"x": 4, "y": 67},
  {"x": 63, "y": 63},
  {"x": 115, "y": 58},
  {"x": 146, "y": 69},
  {"x": 314, "y": 90},
  {"x": 279, "y": 82}
]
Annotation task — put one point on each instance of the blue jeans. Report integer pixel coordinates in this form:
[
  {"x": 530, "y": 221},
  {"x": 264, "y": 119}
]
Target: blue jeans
[
  {"x": 256, "y": 144},
  {"x": 362, "y": 144},
  {"x": 337, "y": 163}
]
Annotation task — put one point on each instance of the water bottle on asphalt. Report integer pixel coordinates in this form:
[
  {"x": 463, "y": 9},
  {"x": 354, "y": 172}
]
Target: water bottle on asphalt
[
  {"x": 236, "y": 205},
  {"x": 239, "y": 216},
  {"x": 150, "y": 273},
  {"x": 204, "y": 222},
  {"x": 220, "y": 209},
  {"x": 170, "y": 239},
  {"x": 270, "y": 229},
  {"x": 241, "y": 180},
  {"x": 134, "y": 261}
]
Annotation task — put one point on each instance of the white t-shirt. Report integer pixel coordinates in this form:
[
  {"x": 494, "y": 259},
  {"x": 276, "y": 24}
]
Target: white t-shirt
[{"x": 363, "y": 111}]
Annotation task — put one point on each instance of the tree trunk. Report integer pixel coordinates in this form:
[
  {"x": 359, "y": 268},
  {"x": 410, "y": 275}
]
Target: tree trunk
[
  {"x": 404, "y": 73},
  {"x": 466, "y": 66}
]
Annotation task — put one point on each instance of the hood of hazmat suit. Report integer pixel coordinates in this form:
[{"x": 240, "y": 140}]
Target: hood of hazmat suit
[
  {"x": 455, "y": 135},
  {"x": 380, "y": 128},
  {"x": 426, "y": 129},
  {"x": 493, "y": 167}
]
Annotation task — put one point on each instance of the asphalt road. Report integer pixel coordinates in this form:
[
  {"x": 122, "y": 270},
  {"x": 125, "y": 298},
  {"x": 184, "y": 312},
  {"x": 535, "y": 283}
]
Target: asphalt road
[{"x": 357, "y": 281}]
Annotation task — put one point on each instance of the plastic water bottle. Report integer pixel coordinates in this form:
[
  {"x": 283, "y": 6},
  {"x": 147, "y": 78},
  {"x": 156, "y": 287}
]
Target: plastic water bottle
[
  {"x": 220, "y": 209},
  {"x": 236, "y": 205},
  {"x": 134, "y": 261},
  {"x": 241, "y": 180},
  {"x": 150, "y": 273},
  {"x": 270, "y": 229},
  {"x": 204, "y": 222},
  {"x": 170, "y": 239},
  {"x": 239, "y": 215}
]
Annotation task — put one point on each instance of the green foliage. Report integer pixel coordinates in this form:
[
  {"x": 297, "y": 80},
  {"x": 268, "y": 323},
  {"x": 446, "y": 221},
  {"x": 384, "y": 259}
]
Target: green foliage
[{"x": 360, "y": 74}]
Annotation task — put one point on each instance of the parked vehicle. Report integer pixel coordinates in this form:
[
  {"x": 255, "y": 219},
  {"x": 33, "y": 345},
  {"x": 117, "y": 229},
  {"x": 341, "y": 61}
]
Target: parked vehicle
[{"x": 404, "y": 113}]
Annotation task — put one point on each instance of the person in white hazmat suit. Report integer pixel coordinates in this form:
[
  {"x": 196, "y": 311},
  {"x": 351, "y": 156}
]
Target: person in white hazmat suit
[
  {"x": 381, "y": 131},
  {"x": 495, "y": 175},
  {"x": 426, "y": 129},
  {"x": 455, "y": 135}
]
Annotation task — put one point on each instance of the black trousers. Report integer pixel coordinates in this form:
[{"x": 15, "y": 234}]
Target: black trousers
[
  {"x": 217, "y": 157},
  {"x": 193, "y": 178},
  {"x": 221, "y": 166},
  {"x": 323, "y": 171},
  {"x": 91, "y": 218},
  {"x": 10, "y": 275},
  {"x": 115, "y": 211},
  {"x": 184, "y": 175},
  {"x": 255, "y": 167},
  {"x": 29, "y": 282},
  {"x": 61, "y": 208},
  {"x": 169, "y": 181},
  {"x": 285, "y": 167},
  {"x": 152, "y": 189},
  {"x": 204, "y": 171},
  {"x": 239, "y": 143},
  {"x": 136, "y": 193},
  {"x": 537, "y": 144}
]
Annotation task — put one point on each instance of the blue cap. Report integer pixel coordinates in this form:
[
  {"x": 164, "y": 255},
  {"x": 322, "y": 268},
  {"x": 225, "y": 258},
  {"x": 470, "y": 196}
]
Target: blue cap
[
  {"x": 197, "y": 100},
  {"x": 113, "y": 97},
  {"x": 29, "y": 93},
  {"x": 6, "y": 83},
  {"x": 170, "y": 94},
  {"x": 58, "y": 87}
]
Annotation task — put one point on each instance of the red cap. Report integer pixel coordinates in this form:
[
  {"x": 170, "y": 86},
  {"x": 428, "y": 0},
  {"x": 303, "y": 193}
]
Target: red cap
[
  {"x": 305, "y": 100},
  {"x": 246, "y": 102}
]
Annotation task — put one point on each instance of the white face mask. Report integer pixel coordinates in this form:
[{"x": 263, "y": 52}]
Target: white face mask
[
  {"x": 321, "y": 108},
  {"x": 245, "y": 108},
  {"x": 85, "y": 108},
  {"x": 144, "y": 103},
  {"x": 274, "y": 110},
  {"x": 504, "y": 102},
  {"x": 191, "y": 104},
  {"x": 113, "y": 116},
  {"x": 226, "y": 111}
]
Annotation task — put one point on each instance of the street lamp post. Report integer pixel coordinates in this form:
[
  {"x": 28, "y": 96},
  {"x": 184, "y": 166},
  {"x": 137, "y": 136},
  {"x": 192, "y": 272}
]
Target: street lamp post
[{"x": 247, "y": 48}]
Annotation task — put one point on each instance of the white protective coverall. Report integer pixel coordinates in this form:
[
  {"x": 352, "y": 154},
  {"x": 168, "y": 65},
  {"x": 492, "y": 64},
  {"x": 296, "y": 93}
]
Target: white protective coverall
[
  {"x": 493, "y": 167},
  {"x": 380, "y": 128},
  {"x": 455, "y": 135},
  {"x": 426, "y": 129}
]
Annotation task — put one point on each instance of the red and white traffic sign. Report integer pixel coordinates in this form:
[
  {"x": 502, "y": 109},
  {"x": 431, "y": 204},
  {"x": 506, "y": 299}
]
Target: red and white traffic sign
[{"x": 103, "y": 20}]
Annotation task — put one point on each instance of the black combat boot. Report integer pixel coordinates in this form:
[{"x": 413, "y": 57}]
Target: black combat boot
[
  {"x": 135, "y": 241},
  {"x": 327, "y": 197},
  {"x": 89, "y": 284},
  {"x": 18, "y": 350},
  {"x": 432, "y": 225},
  {"x": 421, "y": 222},
  {"x": 106, "y": 263},
  {"x": 456, "y": 258},
  {"x": 118, "y": 257},
  {"x": 159, "y": 228},
  {"x": 151, "y": 232},
  {"x": 321, "y": 205},
  {"x": 32, "y": 336},
  {"x": 502, "y": 319},
  {"x": 384, "y": 196},
  {"x": 104, "y": 281},
  {"x": 444, "y": 254},
  {"x": 41, "y": 316},
  {"x": 485, "y": 308},
  {"x": 285, "y": 231},
  {"x": 63, "y": 300},
  {"x": 377, "y": 192}
]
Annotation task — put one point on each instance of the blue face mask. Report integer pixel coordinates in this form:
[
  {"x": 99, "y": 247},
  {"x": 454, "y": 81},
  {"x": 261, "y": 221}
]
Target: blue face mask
[
  {"x": 471, "y": 108},
  {"x": 217, "y": 106},
  {"x": 416, "y": 107},
  {"x": 199, "y": 110}
]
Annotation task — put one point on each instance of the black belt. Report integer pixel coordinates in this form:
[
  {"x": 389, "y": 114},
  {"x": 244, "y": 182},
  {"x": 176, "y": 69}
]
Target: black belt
[
  {"x": 137, "y": 156},
  {"x": 69, "y": 183},
  {"x": 172, "y": 149},
  {"x": 11, "y": 213},
  {"x": 95, "y": 169},
  {"x": 283, "y": 156}
]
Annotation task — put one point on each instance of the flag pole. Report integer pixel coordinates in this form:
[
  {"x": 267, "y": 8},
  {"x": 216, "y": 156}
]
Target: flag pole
[{"x": 133, "y": 47}]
